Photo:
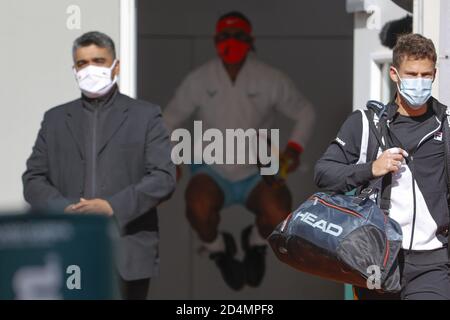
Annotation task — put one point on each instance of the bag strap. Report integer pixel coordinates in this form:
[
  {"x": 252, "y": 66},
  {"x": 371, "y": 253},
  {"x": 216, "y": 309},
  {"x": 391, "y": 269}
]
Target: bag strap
[{"x": 380, "y": 133}]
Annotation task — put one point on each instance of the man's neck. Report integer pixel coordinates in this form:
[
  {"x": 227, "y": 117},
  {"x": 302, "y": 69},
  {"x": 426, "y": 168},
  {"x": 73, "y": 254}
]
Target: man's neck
[
  {"x": 100, "y": 102},
  {"x": 405, "y": 110},
  {"x": 102, "y": 98}
]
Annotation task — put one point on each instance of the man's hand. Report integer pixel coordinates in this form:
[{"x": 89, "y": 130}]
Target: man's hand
[
  {"x": 69, "y": 209},
  {"x": 91, "y": 206},
  {"x": 390, "y": 160}
]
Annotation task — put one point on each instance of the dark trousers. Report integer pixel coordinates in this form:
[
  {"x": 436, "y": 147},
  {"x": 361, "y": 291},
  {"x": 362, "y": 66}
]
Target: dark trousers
[
  {"x": 424, "y": 276},
  {"x": 135, "y": 289}
]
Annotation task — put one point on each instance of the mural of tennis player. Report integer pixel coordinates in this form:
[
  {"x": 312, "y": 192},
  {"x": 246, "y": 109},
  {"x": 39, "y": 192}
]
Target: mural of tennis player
[{"x": 237, "y": 90}]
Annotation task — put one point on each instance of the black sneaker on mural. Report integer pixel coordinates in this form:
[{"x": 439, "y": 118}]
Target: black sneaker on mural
[
  {"x": 232, "y": 270},
  {"x": 254, "y": 260}
]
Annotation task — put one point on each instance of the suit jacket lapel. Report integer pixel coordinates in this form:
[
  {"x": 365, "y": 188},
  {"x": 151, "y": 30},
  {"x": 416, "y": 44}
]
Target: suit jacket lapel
[
  {"x": 114, "y": 121},
  {"x": 74, "y": 120}
]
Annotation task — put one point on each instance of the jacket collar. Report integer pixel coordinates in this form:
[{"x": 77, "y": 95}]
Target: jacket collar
[
  {"x": 439, "y": 109},
  {"x": 100, "y": 102},
  {"x": 116, "y": 117}
]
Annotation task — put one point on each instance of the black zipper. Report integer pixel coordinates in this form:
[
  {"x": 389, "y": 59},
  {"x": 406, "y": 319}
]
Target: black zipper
[
  {"x": 414, "y": 204},
  {"x": 94, "y": 153},
  {"x": 345, "y": 210}
]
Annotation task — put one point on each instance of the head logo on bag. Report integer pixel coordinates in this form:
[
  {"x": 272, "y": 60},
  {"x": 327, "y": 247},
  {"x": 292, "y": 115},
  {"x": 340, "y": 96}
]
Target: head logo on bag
[
  {"x": 323, "y": 225},
  {"x": 338, "y": 237}
]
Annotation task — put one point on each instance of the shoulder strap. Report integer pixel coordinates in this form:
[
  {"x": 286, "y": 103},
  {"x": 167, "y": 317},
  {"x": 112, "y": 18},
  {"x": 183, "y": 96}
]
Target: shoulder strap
[
  {"x": 377, "y": 110},
  {"x": 364, "y": 147},
  {"x": 376, "y": 114}
]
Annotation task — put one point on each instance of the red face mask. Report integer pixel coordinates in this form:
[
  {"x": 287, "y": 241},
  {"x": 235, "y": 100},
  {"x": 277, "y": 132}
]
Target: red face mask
[{"x": 232, "y": 51}]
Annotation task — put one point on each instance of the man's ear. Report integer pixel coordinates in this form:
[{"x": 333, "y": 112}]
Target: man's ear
[
  {"x": 116, "y": 70},
  {"x": 435, "y": 72},
  {"x": 393, "y": 74}
]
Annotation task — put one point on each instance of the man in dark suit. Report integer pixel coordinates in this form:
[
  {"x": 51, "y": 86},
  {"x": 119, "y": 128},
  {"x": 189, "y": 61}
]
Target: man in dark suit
[{"x": 105, "y": 153}]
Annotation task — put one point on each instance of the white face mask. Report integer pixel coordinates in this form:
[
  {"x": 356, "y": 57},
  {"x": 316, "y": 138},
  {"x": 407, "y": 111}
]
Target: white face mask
[
  {"x": 95, "y": 81},
  {"x": 416, "y": 91}
]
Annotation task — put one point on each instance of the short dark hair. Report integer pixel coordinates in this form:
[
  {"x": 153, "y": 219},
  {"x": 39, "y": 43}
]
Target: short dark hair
[
  {"x": 97, "y": 38},
  {"x": 414, "y": 46},
  {"x": 235, "y": 14}
]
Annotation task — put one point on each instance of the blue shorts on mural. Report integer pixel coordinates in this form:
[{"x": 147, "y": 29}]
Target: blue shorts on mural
[{"x": 235, "y": 192}]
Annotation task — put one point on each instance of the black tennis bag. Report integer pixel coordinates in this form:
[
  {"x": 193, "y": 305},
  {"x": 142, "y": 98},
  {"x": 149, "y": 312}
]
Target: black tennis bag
[{"x": 343, "y": 238}]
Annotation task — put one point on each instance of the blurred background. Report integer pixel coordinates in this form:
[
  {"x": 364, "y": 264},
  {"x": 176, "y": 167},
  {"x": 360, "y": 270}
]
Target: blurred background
[{"x": 336, "y": 52}]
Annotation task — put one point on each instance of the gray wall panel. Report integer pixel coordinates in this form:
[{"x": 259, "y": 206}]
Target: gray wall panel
[{"x": 36, "y": 64}]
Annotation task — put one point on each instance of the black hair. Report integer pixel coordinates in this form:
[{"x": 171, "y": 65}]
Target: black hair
[{"x": 97, "y": 38}]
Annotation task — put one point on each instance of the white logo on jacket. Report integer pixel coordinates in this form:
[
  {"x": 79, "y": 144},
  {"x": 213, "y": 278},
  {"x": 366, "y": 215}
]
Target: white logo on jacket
[
  {"x": 438, "y": 136},
  {"x": 338, "y": 140}
]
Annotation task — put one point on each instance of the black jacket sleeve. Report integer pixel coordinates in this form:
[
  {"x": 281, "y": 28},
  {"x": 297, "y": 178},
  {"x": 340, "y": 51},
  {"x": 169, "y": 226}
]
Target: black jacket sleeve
[
  {"x": 337, "y": 170},
  {"x": 159, "y": 181},
  {"x": 37, "y": 189}
]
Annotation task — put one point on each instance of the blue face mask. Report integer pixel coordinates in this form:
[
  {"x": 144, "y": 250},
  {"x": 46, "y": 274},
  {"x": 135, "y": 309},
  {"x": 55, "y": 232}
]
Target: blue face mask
[{"x": 416, "y": 91}]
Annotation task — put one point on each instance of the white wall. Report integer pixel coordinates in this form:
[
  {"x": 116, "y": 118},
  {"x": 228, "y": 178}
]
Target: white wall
[
  {"x": 36, "y": 73},
  {"x": 427, "y": 21},
  {"x": 432, "y": 19},
  {"x": 444, "y": 53},
  {"x": 366, "y": 45}
]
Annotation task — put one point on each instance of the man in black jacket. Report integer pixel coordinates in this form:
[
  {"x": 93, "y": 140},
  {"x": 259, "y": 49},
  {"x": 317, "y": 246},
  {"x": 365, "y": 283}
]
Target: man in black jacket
[
  {"x": 416, "y": 160},
  {"x": 105, "y": 153}
]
